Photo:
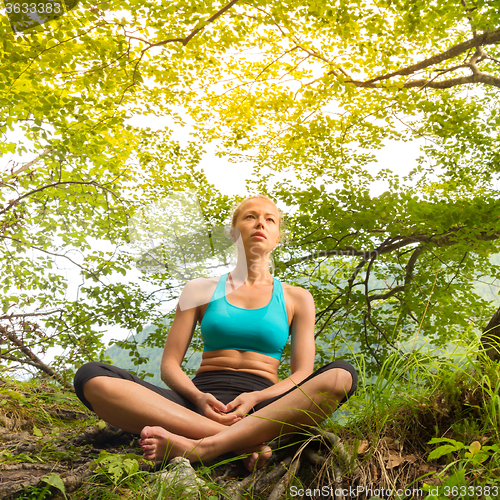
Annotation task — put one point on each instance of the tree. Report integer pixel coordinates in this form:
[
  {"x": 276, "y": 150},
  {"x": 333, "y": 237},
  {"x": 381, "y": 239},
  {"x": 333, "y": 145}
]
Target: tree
[{"x": 333, "y": 82}]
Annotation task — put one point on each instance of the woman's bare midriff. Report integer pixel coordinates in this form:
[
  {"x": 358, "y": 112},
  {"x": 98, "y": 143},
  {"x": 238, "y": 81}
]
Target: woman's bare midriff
[{"x": 246, "y": 361}]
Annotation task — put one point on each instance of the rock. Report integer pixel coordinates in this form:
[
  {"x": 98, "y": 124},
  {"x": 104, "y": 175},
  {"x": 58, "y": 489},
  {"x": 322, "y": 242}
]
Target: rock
[{"x": 182, "y": 477}]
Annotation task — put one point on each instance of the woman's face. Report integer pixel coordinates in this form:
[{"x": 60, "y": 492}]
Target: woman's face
[{"x": 259, "y": 223}]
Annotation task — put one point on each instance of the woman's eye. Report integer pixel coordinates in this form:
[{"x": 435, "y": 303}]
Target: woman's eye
[{"x": 272, "y": 220}]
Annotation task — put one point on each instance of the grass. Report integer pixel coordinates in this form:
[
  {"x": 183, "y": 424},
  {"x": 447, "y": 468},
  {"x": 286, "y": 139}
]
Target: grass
[
  {"x": 451, "y": 399},
  {"x": 424, "y": 396}
]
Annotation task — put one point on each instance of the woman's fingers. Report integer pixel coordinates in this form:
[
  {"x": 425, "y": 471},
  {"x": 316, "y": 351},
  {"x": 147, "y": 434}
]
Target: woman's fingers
[
  {"x": 216, "y": 404},
  {"x": 223, "y": 418}
]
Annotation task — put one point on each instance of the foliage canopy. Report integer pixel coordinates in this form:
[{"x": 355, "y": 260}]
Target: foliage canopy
[{"x": 308, "y": 92}]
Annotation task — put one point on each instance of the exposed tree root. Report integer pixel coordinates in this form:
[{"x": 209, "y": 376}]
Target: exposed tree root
[
  {"x": 279, "y": 489},
  {"x": 96, "y": 435}
]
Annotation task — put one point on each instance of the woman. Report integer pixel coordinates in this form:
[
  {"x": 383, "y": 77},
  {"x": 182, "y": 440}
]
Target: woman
[{"x": 235, "y": 402}]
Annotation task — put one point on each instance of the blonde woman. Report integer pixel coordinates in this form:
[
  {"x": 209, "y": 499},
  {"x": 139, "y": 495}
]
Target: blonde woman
[{"x": 235, "y": 402}]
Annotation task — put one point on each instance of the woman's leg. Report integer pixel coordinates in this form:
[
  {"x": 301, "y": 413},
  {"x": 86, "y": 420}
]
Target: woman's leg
[
  {"x": 330, "y": 366},
  {"x": 129, "y": 403},
  {"x": 308, "y": 405},
  {"x": 130, "y": 407}
]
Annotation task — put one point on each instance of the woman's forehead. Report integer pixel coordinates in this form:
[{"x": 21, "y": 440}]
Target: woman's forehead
[{"x": 262, "y": 203}]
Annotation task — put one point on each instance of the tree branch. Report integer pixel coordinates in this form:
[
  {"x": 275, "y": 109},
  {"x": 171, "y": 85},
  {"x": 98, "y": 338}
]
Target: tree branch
[
  {"x": 385, "y": 296},
  {"x": 18, "y": 360},
  {"x": 34, "y": 359},
  {"x": 490, "y": 339},
  {"x": 30, "y": 163},
  {"x": 408, "y": 277},
  {"x": 443, "y": 239},
  {"x": 368, "y": 302},
  {"x": 193, "y": 33},
  {"x": 487, "y": 38},
  {"x": 55, "y": 184},
  {"x": 25, "y": 315}
]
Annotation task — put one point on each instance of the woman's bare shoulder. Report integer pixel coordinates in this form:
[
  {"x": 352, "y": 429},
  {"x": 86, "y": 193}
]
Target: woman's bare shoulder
[
  {"x": 295, "y": 295},
  {"x": 198, "y": 289}
]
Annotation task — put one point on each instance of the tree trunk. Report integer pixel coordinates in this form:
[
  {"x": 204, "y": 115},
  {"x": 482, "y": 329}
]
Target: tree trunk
[{"x": 490, "y": 339}]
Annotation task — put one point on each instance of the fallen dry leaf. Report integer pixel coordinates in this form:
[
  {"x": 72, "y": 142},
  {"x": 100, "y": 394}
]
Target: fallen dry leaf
[
  {"x": 391, "y": 443},
  {"x": 394, "y": 461},
  {"x": 386, "y": 441},
  {"x": 363, "y": 446}
]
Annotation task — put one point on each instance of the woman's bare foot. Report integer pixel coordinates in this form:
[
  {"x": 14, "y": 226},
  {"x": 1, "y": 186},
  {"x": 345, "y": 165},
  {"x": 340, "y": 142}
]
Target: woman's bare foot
[
  {"x": 258, "y": 458},
  {"x": 159, "y": 444}
]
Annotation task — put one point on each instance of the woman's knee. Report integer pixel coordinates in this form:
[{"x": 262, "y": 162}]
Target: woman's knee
[
  {"x": 336, "y": 382},
  {"x": 86, "y": 371},
  {"x": 90, "y": 379}
]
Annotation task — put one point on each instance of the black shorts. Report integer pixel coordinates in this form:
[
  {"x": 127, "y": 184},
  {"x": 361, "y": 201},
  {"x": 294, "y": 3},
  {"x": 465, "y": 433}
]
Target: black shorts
[{"x": 225, "y": 385}]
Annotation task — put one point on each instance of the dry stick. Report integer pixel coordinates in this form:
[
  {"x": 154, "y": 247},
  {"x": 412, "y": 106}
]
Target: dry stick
[
  {"x": 336, "y": 444},
  {"x": 313, "y": 457},
  {"x": 338, "y": 482},
  {"x": 271, "y": 476},
  {"x": 76, "y": 477},
  {"x": 235, "y": 489},
  {"x": 35, "y": 360},
  {"x": 318, "y": 460}
]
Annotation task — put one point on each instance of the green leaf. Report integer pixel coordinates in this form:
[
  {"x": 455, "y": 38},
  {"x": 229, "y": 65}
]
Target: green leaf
[
  {"x": 37, "y": 432},
  {"x": 55, "y": 480},
  {"x": 443, "y": 450},
  {"x": 474, "y": 448}
]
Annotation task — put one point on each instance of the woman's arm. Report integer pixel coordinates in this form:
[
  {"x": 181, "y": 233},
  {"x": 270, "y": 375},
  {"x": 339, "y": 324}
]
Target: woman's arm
[
  {"x": 301, "y": 354},
  {"x": 176, "y": 346}
]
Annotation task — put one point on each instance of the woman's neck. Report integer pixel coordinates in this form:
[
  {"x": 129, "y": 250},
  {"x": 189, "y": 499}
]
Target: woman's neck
[{"x": 255, "y": 273}]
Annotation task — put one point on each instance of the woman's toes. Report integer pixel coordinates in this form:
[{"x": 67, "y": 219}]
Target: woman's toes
[{"x": 257, "y": 459}]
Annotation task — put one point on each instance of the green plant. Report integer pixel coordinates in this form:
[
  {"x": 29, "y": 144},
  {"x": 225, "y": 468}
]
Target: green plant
[
  {"x": 55, "y": 480},
  {"x": 34, "y": 493},
  {"x": 469, "y": 475},
  {"x": 43, "y": 492},
  {"x": 116, "y": 467}
]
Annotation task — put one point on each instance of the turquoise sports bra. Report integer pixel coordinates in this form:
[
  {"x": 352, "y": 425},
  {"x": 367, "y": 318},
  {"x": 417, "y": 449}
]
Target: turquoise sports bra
[{"x": 264, "y": 330}]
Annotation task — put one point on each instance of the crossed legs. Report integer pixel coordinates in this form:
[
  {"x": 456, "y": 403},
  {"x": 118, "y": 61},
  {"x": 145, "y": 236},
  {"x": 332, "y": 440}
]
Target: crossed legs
[
  {"x": 308, "y": 405},
  {"x": 169, "y": 429},
  {"x": 130, "y": 406}
]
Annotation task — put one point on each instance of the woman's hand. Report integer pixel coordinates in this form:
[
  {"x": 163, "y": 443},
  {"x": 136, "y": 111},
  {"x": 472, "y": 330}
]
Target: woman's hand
[
  {"x": 243, "y": 404},
  {"x": 213, "y": 409}
]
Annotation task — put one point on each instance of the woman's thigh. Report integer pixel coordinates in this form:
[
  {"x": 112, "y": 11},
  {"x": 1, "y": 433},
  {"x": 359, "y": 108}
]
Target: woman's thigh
[
  {"x": 344, "y": 365},
  {"x": 96, "y": 369}
]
